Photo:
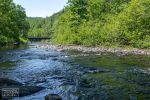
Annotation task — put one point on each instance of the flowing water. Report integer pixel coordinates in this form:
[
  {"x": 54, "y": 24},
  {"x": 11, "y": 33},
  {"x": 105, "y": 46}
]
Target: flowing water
[{"x": 77, "y": 76}]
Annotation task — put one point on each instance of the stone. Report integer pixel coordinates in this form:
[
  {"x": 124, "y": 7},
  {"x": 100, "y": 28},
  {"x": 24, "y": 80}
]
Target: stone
[
  {"x": 95, "y": 70},
  {"x": 53, "y": 97},
  {"x": 23, "y": 90},
  {"x": 9, "y": 82},
  {"x": 85, "y": 83},
  {"x": 28, "y": 90}
]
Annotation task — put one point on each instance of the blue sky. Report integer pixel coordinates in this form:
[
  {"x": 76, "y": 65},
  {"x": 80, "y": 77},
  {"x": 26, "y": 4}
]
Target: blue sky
[{"x": 41, "y": 8}]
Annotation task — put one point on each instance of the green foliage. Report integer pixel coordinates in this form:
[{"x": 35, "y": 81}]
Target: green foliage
[
  {"x": 13, "y": 22},
  {"x": 132, "y": 25},
  {"x": 4, "y": 40},
  {"x": 42, "y": 26},
  {"x": 36, "y": 26},
  {"x": 105, "y": 22}
]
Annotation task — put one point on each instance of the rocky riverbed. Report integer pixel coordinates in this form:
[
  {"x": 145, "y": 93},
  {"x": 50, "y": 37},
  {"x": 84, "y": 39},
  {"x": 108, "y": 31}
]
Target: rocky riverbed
[{"x": 119, "y": 51}]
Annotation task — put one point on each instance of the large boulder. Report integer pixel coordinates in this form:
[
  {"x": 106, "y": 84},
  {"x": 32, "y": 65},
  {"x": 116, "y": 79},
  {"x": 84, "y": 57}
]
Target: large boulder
[
  {"x": 9, "y": 82},
  {"x": 23, "y": 90},
  {"x": 53, "y": 97}
]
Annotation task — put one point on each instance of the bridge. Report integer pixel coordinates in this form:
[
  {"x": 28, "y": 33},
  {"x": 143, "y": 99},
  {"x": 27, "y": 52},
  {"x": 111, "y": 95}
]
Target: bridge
[{"x": 38, "y": 38}]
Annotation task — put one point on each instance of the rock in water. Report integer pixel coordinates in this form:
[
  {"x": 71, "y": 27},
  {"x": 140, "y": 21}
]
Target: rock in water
[
  {"x": 28, "y": 90},
  {"x": 9, "y": 82},
  {"x": 53, "y": 97},
  {"x": 86, "y": 83},
  {"x": 23, "y": 90}
]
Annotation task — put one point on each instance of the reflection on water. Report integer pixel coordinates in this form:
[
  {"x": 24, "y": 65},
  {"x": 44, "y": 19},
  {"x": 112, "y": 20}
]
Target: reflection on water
[{"x": 75, "y": 75}]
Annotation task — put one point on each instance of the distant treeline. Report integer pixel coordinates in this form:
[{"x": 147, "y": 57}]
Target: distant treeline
[
  {"x": 13, "y": 24},
  {"x": 43, "y": 26}
]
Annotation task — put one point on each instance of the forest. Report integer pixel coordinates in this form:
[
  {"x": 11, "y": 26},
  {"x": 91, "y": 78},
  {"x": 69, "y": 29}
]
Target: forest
[
  {"x": 105, "y": 22},
  {"x": 82, "y": 22},
  {"x": 13, "y": 24}
]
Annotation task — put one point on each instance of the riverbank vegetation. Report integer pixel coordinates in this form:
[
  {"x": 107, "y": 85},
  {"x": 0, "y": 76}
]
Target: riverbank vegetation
[
  {"x": 13, "y": 24},
  {"x": 105, "y": 22},
  {"x": 82, "y": 22}
]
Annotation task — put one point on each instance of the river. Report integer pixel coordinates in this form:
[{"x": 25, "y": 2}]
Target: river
[{"x": 77, "y": 76}]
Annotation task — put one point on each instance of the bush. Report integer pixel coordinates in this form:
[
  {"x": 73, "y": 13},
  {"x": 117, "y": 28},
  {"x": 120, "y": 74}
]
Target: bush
[{"x": 5, "y": 40}]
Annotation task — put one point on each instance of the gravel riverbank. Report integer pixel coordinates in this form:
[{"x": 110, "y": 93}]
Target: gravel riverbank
[{"x": 119, "y": 51}]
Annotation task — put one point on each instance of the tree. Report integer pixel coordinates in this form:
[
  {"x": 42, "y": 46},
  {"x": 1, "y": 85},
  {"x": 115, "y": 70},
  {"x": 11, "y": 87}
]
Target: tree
[{"x": 13, "y": 24}]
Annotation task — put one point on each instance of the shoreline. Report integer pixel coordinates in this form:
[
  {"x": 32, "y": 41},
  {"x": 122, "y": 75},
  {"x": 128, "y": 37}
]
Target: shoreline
[{"x": 117, "y": 50}]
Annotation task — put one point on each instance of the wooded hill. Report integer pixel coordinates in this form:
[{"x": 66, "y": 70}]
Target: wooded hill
[{"x": 43, "y": 26}]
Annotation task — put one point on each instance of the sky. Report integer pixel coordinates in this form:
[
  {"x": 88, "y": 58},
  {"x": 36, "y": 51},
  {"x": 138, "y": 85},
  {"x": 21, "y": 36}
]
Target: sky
[{"x": 41, "y": 8}]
